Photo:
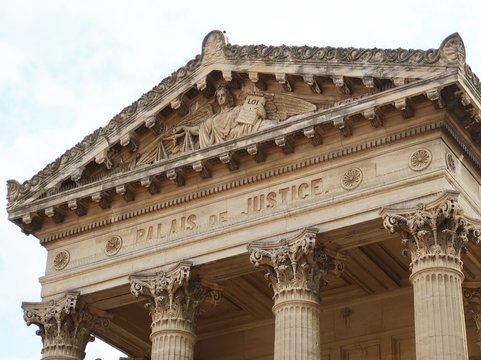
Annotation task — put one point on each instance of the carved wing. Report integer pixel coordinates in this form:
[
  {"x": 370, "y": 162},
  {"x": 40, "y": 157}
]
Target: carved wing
[
  {"x": 196, "y": 116},
  {"x": 282, "y": 106},
  {"x": 170, "y": 143}
]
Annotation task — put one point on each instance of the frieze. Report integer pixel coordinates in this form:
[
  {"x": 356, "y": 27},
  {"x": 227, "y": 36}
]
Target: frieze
[
  {"x": 249, "y": 205},
  {"x": 248, "y": 180},
  {"x": 451, "y": 52}
]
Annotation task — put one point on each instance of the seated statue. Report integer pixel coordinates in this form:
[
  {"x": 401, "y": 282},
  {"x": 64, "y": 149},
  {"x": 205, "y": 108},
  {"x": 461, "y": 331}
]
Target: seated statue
[
  {"x": 229, "y": 123},
  {"x": 202, "y": 127}
]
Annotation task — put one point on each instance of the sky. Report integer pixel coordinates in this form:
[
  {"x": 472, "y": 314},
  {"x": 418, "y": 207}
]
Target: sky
[{"x": 67, "y": 67}]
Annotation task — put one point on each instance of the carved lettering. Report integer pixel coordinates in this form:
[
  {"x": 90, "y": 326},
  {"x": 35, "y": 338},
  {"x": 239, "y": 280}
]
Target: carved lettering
[
  {"x": 258, "y": 203},
  {"x": 216, "y": 219},
  {"x": 282, "y": 195},
  {"x": 158, "y": 231}
]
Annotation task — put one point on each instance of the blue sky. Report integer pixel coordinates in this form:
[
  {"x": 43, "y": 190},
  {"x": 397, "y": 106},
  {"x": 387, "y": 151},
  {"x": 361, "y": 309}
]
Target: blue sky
[{"x": 67, "y": 67}]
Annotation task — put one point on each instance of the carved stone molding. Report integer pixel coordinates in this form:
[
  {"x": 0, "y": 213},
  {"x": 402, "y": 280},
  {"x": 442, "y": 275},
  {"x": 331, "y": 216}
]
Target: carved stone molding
[
  {"x": 174, "y": 294},
  {"x": 450, "y": 162},
  {"x": 351, "y": 179},
  {"x": 113, "y": 245},
  {"x": 299, "y": 265},
  {"x": 435, "y": 233},
  {"x": 452, "y": 49},
  {"x": 65, "y": 325},
  {"x": 61, "y": 260},
  {"x": 420, "y": 159},
  {"x": 212, "y": 47}
]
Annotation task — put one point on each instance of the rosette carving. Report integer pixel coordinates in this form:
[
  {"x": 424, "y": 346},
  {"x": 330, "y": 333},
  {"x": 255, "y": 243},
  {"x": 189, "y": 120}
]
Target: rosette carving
[
  {"x": 420, "y": 159},
  {"x": 174, "y": 294},
  {"x": 113, "y": 245},
  {"x": 299, "y": 264},
  {"x": 437, "y": 230},
  {"x": 65, "y": 325},
  {"x": 61, "y": 260},
  {"x": 351, "y": 179},
  {"x": 450, "y": 163}
]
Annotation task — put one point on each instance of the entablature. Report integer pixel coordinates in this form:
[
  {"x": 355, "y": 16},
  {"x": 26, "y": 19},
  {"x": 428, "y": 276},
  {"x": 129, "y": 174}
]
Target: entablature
[
  {"x": 338, "y": 87},
  {"x": 284, "y": 135}
]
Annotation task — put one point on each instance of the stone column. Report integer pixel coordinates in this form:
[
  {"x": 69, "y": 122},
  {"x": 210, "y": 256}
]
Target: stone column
[
  {"x": 435, "y": 236},
  {"x": 175, "y": 302},
  {"x": 296, "y": 271},
  {"x": 65, "y": 326},
  {"x": 472, "y": 308}
]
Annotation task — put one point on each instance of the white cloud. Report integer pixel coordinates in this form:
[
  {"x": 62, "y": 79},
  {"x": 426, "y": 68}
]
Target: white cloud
[{"x": 12, "y": 62}]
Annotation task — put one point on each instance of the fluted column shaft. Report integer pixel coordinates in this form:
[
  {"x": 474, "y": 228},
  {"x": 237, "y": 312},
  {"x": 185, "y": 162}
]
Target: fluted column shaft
[
  {"x": 63, "y": 353},
  {"x": 172, "y": 339},
  {"x": 296, "y": 269},
  {"x": 297, "y": 332},
  {"x": 435, "y": 235},
  {"x": 438, "y": 311}
]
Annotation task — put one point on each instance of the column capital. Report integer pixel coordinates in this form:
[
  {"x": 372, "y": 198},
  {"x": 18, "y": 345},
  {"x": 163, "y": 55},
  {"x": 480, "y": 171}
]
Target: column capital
[
  {"x": 175, "y": 294},
  {"x": 299, "y": 264},
  {"x": 436, "y": 233},
  {"x": 65, "y": 325}
]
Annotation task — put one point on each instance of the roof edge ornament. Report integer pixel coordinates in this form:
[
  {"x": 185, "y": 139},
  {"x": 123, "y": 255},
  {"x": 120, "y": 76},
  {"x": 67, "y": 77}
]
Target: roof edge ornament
[
  {"x": 452, "y": 49},
  {"x": 213, "y": 46}
]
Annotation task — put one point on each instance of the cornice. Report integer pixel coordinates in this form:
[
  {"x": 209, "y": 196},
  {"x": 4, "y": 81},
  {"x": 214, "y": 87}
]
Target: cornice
[
  {"x": 215, "y": 49},
  {"x": 348, "y": 107}
]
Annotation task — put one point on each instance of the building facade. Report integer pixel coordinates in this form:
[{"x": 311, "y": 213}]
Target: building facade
[{"x": 270, "y": 202}]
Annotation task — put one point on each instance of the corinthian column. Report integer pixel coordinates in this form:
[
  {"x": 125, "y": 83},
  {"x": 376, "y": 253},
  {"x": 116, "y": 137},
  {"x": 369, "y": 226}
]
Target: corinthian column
[
  {"x": 435, "y": 236},
  {"x": 296, "y": 269},
  {"x": 176, "y": 300},
  {"x": 64, "y": 326}
]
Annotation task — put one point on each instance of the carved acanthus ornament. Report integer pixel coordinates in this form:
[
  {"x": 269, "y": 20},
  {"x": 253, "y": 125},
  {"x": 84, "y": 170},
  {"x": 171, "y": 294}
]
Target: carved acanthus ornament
[
  {"x": 299, "y": 265},
  {"x": 65, "y": 325},
  {"x": 174, "y": 295},
  {"x": 434, "y": 232}
]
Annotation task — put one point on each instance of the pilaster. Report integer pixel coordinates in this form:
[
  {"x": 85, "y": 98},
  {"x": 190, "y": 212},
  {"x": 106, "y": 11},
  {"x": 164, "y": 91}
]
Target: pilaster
[
  {"x": 65, "y": 326},
  {"x": 472, "y": 308},
  {"x": 435, "y": 236},
  {"x": 175, "y": 302},
  {"x": 296, "y": 270}
]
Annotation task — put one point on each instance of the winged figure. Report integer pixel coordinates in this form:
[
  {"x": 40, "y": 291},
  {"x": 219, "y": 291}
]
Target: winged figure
[{"x": 203, "y": 128}]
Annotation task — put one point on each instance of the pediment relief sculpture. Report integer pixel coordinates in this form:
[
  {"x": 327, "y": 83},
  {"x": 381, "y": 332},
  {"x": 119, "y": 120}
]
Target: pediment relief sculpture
[
  {"x": 208, "y": 124},
  {"x": 206, "y": 127}
]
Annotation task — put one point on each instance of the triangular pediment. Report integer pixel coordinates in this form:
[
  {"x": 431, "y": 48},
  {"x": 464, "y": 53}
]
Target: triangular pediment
[{"x": 268, "y": 91}]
